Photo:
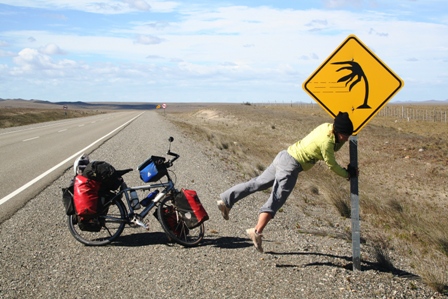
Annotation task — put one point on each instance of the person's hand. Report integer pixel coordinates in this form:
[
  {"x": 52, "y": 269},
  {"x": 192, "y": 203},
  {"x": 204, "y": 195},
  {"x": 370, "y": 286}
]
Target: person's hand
[{"x": 353, "y": 172}]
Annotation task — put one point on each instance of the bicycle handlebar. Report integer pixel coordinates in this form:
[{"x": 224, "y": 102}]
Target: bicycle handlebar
[{"x": 169, "y": 163}]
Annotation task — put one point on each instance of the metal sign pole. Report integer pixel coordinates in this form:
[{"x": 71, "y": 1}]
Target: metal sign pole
[{"x": 354, "y": 199}]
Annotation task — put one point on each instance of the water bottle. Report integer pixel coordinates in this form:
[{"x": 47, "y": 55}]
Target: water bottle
[
  {"x": 149, "y": 198},
  {"x": 134, "y": 200}
]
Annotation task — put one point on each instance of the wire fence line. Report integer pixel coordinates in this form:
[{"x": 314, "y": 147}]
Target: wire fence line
[{"x": 409, "y": 113}]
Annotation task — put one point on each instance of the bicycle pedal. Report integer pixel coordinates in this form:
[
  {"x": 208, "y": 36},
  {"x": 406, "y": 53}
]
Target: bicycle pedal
[{"x": 136, "y": 221}]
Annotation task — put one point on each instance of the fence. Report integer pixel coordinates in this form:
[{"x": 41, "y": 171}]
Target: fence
[{"x": 409, "y": 113}]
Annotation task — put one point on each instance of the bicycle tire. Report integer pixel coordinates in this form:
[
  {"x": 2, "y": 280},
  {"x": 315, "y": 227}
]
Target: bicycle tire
[
  {"x": 111, "y": 225},
  {"x": 178, "y": 231}
]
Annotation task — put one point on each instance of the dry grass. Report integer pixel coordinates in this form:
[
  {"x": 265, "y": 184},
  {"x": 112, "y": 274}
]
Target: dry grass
[
  {"x": 13, "y": 117},
  {"x": 403, "y": 183}
]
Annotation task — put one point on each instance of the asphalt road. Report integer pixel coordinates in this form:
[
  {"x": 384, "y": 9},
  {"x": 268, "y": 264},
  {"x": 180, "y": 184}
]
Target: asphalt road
[
  {"x": 40, "y": 259},
  {"x": 35, "y": 155}
]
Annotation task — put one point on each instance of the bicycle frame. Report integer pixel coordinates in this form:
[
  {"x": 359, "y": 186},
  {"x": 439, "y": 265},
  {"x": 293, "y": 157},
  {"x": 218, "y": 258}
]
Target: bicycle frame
[
  {"x": 137, "y": 218},
  {"x": 168, "y": 187}
]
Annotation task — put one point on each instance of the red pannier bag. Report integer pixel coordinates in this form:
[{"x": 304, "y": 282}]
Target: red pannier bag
[
  {"x": 190, "y": 208},
  {"x": 85, "y": 196}
]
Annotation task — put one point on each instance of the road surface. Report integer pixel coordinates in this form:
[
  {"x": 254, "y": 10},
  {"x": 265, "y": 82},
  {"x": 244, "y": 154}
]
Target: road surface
[{"x": 35, "y": 155}]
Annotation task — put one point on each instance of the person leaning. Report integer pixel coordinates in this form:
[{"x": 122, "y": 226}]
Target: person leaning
[{"x": 282, "y": 174}]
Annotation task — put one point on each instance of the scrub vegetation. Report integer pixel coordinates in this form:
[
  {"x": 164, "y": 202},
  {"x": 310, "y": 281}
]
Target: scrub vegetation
[
  {"x": 403, "y": 183},
  {"x": 14, "y": 117}
]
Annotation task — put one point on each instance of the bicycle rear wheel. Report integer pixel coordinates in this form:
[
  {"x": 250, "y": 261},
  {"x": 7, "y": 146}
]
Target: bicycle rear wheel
[
  {"x": 175, "y": 228},
  {"x": 102, "y": 229}
]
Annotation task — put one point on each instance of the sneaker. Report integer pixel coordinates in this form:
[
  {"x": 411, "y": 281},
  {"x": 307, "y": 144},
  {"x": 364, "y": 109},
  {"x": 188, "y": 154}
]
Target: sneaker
[
  {"x": 224, "y": 209},
  {"x": 256, "y": 238}
]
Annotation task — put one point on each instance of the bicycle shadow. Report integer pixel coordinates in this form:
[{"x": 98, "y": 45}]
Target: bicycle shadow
[
  {"x": 160, "y": 238},
  {"x": 365, "y": 265},
  {"x": 141, "y": 239}
]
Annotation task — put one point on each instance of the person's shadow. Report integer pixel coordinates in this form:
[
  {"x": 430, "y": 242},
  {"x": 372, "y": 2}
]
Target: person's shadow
[
  {"x": 227, "y": 242},
  {"x": 160, "y": 238},
  {"x": 348, "y": 265}
]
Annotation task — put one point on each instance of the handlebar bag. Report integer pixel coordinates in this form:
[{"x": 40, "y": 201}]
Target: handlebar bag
[
  {"x": 190, "y": 208},
  {"x": 152, "y": 169},
  {"x": 85, "y": 196}
]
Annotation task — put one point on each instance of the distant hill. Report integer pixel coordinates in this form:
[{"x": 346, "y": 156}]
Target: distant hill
[
  {"x": 428, "y": 102},
  {"x": 39, "y": 104}
]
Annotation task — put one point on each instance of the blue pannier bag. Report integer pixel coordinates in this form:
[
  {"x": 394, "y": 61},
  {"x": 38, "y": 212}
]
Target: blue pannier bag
[{"x": 152, "y": 169}]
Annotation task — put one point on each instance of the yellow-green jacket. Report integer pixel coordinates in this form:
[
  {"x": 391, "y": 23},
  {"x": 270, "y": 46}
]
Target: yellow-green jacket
[{"x": 320, "y": 144}]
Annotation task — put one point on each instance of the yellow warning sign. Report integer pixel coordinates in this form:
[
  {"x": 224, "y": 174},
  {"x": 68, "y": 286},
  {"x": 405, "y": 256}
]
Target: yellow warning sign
[{"x": 353, "y": 80}]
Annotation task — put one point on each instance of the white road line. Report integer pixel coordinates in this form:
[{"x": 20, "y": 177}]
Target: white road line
[
  {"x": 24, "y": 140},
  {"x": 39, "y": 126},
  {"x": 30, "y": 183},
  {"x": 62, "y": 130},
  {"x": 27, "y": 129}
]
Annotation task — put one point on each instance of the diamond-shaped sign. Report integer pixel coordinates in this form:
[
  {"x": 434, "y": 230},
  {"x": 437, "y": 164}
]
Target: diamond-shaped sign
[{"x": 353, "y": 80}]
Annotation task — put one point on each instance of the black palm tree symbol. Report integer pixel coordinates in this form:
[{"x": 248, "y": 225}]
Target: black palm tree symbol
[{"x": 356, "y": 71}]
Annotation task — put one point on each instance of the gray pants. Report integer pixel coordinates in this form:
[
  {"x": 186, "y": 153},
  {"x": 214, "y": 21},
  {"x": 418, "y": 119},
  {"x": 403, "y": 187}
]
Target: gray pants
[{"x": 281, "y": 175}]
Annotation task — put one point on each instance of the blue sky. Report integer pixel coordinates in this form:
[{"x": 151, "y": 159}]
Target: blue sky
[{"x": 210, "y": 51}]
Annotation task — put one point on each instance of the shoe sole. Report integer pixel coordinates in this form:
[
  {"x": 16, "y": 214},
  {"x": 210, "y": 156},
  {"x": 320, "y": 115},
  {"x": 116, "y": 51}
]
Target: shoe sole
[
  {"x": 224, "y": 213},
  {"x": 258, "y": 248}
]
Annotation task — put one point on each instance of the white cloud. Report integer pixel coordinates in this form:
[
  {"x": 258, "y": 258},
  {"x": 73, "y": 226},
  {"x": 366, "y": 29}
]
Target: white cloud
[
  {"x": 30, "y": 60},
  {"x": 101, "y": 7},
  {"x": 229, "y": 46},
  {"x": 51, "y": 49},
  {"x": 138, "y": 4},
  {"x": 148, "y": 40}
]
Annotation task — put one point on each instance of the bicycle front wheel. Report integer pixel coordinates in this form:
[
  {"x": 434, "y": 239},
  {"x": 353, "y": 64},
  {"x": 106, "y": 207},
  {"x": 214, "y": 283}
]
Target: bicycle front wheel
[
  {"x": 102, "y": 229},
  {"x": 175, "y": 228}
]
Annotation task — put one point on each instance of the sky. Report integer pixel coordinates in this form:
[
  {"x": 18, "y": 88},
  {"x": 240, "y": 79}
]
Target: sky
[{"x": 211, "y": 51}]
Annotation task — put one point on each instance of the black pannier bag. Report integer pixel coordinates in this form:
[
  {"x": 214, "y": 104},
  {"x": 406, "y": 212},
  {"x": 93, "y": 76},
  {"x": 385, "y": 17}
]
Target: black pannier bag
[
  {"x": 190, "y": 208},
  {"x": 67, "y": 199},
  {"x": 152, "y": 169}
]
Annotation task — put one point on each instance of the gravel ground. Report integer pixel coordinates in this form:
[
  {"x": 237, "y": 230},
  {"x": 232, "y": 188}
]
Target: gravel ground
[{"x": 40, "y": 259}]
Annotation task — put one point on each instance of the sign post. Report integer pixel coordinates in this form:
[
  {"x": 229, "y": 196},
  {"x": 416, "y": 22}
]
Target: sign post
[
  {"x": 354, "y": 202},
  {"x": 354, "y": 80}
]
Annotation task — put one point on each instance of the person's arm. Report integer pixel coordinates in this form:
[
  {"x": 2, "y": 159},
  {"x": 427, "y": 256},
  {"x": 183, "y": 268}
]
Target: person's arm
[{"x": 330, "y": 160}]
